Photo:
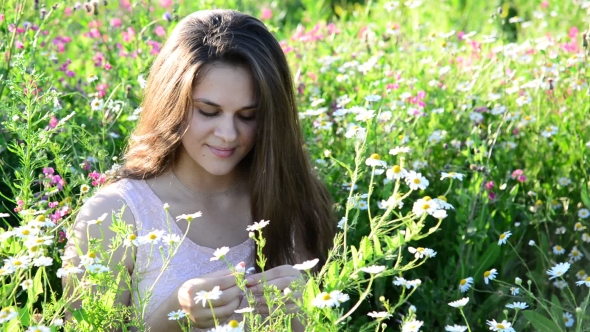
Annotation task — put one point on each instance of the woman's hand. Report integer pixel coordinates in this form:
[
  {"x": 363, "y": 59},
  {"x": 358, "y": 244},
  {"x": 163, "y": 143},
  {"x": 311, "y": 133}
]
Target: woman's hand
[
  {"x": 202, "y": 316},
  {"x": 281, "y": 277}
]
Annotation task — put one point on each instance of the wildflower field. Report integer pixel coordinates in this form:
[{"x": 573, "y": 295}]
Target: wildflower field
[{"x": 454, "y": 136}]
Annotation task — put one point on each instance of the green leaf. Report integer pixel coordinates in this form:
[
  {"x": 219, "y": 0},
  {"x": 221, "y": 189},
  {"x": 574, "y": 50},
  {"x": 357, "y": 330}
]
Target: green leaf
[
  {"x": 540, "y": 322},
  {"x": 355, "y": 257},
  {"x": 557, "y": 310},
  {"x": 488, "y": 258},
  {"x": 585, "y": 198},
  {"x": 37, "y": 284}
]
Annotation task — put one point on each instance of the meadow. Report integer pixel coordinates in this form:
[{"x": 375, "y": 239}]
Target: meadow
[{"x": 453, "y": 135}]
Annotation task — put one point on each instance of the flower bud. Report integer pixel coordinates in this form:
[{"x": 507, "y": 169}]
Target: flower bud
[
  {"x": 412, "y": 309},
  {"x": 529, "y": 282},
  {"x": 518, "y": 281},
  {"x": 578, "y": 310},
  {"x": 251, "y": 235}
]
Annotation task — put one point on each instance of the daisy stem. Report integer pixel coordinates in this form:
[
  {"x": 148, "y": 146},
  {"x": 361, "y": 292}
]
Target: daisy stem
[
  {"x": 523, "y": 263},
  {"x": 213, "y": 313},
  {"x": 465, "y": 318},
  {"x": 361, "y": 299}
]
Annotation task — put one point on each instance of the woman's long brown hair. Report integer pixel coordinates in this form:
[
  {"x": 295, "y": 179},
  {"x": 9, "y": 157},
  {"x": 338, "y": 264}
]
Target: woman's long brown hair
[{"x": 284, "y": 188}]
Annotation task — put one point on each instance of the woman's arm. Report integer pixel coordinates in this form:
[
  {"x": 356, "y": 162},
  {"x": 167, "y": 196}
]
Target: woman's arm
[{"x": 106, "y": 201}]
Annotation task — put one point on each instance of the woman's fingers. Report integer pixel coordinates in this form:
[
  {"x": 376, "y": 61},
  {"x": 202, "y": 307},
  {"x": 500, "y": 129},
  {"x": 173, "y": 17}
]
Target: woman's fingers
[
  {"x": 289, "y": 308},
  {"x": 228, "y": 295},
  {"x": 280, "y": 283}
]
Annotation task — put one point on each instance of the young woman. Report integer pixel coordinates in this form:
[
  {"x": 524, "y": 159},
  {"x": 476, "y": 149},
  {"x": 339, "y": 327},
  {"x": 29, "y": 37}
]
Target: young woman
[{"x": 219, "y": 133}]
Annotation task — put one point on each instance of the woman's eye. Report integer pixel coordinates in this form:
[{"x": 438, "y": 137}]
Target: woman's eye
[
  {"x": 249, "y": 117},
  {"x": 207, "y": 114}
]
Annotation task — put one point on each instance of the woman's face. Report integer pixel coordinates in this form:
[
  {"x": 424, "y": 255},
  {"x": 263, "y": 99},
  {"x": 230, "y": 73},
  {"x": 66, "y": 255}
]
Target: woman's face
[{"x": 222, "y": 123}]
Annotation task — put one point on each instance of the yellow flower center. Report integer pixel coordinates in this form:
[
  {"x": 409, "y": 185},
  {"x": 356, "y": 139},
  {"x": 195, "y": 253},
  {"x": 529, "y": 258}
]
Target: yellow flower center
[
  {"x": 18, "y": 263},
  {"x": 34, "y": 249},
  {"x": 578, "y": 225},
  {"x": 558, "y": 248},
  {"x": 500, "y": 326},
  {"x": 463, "y": 282},
  {"x": 396, "y": 169},
  {"x": 427, "y": 198},
  {"x": 26, "y": 232},
  {"x": 539, "y": 202},
  {"x": 419, "y": 249},
  {"x": 132, "y": 237},
  {"x": 528, "y": 118},
  {"x": 426, "y": 206},
  {"x": 503, "y": 235},
  {"x": 233, "y": 323},
  {"x": 92, "y": 254},
  {"x": 400, "y": 137},
  {"x": 153, "y": 236},
  {"x": 487, "y": 274},
  {"x": 575, "y": 253},
  {"x": 416, "y": 181},
  {"x": 375, "y": 156},
  {"x": 326, "y": 297},
  {"x": 566, "y": 319},
  {"x": 588, "y": 279},
  {"x": 434, "y": 140},
  {"x": 548, "y": 129},
  {"x": 40, "y": 218},
  {"x": 442, "y": 198}
]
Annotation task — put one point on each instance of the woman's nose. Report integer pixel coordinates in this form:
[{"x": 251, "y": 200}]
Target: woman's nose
[{"x": 226, "y": 129}]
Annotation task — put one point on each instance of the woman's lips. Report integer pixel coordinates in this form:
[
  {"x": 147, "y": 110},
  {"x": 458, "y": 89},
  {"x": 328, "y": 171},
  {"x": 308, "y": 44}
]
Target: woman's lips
[{"x": 221, "y": 153}]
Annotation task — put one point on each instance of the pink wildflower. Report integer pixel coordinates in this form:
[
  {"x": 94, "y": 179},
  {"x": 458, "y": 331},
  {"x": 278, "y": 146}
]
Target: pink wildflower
[
  {"x": 166, "y": 3},
  {"x": 160, "y": 31},
  {"x": 116, "y": 22},
  {"x": 266, "y": 14},
  {"x": 490, "y": 185}
]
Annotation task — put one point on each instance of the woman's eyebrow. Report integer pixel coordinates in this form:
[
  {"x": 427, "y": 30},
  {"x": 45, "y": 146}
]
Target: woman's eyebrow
[{"x": 210, "y": 103}]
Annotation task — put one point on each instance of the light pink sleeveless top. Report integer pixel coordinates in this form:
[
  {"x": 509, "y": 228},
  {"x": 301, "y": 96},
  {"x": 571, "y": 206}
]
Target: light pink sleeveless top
[{"x": 190, "y": 261}]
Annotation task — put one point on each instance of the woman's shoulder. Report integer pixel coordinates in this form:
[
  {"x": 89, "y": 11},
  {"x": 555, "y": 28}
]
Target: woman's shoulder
[{"x": 108, "y": 200}]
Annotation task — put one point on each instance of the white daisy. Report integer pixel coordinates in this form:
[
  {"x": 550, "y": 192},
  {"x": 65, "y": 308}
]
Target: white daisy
[
  {"x": 171, "y": 239},
  {"x": 373, "y": 269},
  {"x": 422, "y": 252},
  {"x": 234, "y": 326},
  {"x": 416, "y": 181},
  {"x": 372, "y": 98},
  {"x": 560, "y": 284},
  {"x": 563, "y": 181},
  {"x": 558, "y": 270},
  {"x": 244, "y": 310},
  {"x": 412, "y": 326},
  {"x": 15, "y": 263},
  {"x": 152, "y": 237},
  {"x": 26, "y": 284},
  {"x": 91, "y": 78},
  {"x": 131, "y": 240},
  {"x": 189, "y": 217},
  {"x": 568, "y": 319},
  {"x": 575, "y": 255},
  {"x": 64, "y": 271},
  {"x": 375, "y": 161},
  {"x": 97, "y": 104},
  {"x": 43, "y": 261},
  {"x": 7, "y": 314},
  {"x": 89, "y": 258},
  {"x": 379, "y": 315},
  {"x": 455, "y": 328},
  {"x": 504, "y": 326},
  {"x": 219, "y": 253},
  {"x": 442, "y": 202},
  {"x": 583, "y": 213},
  {"x": 257, "y": 225},
  {"x": 97, "y": 268},
  {"x": 558, "y": 250},
  {"x": 204, "y": 296},
  {"x": 399, "y": 149},
  {"x": 584, "y": 282},
  {"x": 395, "y": 173},
  {"x": 459, "y": 303},
  {"x": 503, "y": 237},
  {"x": 98, "y": 221},
  {"x": 334, "y": 298},
  {"x": 407, "y": 283},
  {"x": 306, "y": 265},
  {"x": 425, "y": 205},
  {"x": 440, "y": 214},
  {"x": 581, "y": 275},
  {"x": 517, "y": 305},
  {"x": 176, "y": 315},
  {"x": 452, "y": 175},
  {"x": 549, "y": 131},
  {"x": 490, "y": 275},
  {"x": 514, "y": 290},
  {"x": 578, "y": 227},
  {"x": 465, "y": 284}
]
